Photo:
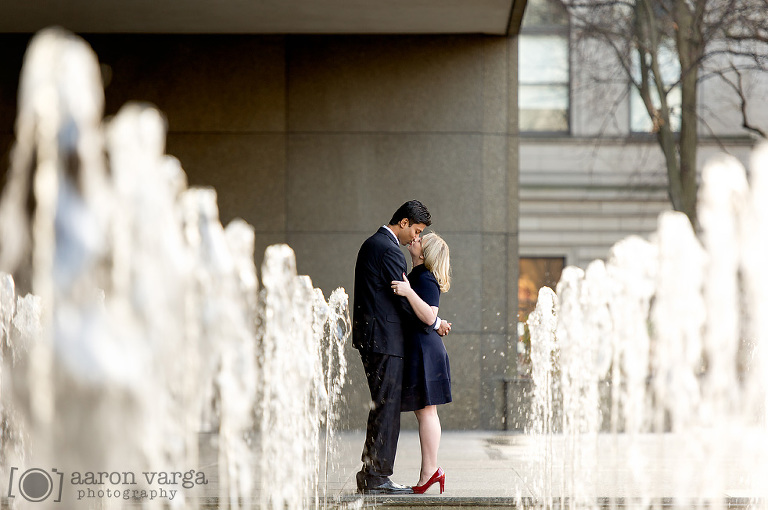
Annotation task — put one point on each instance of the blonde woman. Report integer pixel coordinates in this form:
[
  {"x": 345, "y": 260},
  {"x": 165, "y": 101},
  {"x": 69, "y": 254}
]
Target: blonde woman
[{"x": 426, "y": 373}]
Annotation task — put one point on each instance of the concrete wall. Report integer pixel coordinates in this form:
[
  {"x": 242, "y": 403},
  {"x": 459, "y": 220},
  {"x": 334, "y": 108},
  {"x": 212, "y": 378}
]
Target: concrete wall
[{"x": 316, "y": 140}]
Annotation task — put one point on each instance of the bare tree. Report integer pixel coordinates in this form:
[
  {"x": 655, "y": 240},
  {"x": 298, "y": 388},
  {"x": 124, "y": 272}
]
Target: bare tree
[{"x": 697, "y": 40}]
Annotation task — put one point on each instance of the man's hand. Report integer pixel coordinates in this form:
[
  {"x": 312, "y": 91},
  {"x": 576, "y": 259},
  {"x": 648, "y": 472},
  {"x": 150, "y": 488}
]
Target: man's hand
[{"x": 444, "y": 328}]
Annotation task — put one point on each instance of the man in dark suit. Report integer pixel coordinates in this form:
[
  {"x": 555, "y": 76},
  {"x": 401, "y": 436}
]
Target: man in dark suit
[{"x": 378, "y": 319}]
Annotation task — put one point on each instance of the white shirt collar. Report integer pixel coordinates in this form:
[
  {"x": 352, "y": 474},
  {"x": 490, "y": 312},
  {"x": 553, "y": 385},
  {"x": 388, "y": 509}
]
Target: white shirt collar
[{"x": 393, "y": 234}]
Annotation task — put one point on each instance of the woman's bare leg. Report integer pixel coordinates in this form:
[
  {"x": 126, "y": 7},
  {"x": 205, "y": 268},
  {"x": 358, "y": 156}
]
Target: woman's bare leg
[{"x": 429, "y": 438}]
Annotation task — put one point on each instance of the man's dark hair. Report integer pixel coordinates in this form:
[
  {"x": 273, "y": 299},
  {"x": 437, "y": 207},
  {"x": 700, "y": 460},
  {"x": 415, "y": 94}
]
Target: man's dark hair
[{"x": 414, "y": 211}]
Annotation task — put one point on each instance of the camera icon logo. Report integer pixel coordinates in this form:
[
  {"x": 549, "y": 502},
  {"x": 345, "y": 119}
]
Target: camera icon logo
[{"x": 36, "y": 484}]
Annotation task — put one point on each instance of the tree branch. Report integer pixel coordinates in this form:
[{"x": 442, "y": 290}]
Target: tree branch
[{"x": 738, "y": 88}]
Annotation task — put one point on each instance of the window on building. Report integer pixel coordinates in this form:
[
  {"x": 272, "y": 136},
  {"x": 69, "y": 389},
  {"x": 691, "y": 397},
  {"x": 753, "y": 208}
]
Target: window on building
[
  {"x": 641, "y": 121},
  {"x": 535, "y": 273},
  {"x": 544, "y": 68}
]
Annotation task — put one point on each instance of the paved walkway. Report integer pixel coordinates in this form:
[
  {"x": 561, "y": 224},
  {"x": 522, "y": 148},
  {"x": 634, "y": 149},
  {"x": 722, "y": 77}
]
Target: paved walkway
[
  {"x": 519, "y": 469},
  {"x": 490, "y": 469},
  {"x": 474, "y": 463}
]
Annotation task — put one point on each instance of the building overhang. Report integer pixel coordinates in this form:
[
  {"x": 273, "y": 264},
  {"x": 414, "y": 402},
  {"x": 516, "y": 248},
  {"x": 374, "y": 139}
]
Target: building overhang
[{"x": 495, "y": 17}]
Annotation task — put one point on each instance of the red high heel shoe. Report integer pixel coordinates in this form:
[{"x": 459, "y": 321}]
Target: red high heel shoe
[{"x": 439, "y": 476}]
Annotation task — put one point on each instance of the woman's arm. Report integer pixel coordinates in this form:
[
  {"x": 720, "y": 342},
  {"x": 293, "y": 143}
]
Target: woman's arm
[{"x": 427, "y": 314}]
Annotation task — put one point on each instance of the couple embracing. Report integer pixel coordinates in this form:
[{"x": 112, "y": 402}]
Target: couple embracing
[{"x": 399, "y": 335}]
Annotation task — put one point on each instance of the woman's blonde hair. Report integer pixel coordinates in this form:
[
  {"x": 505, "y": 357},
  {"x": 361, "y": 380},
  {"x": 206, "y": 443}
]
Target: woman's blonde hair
[{"x": 437, "y": 259}]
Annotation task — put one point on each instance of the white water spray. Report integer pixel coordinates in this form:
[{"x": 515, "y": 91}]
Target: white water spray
[
  {"x": 676, "y": 327},
  {"x": 145, "y": 325}
]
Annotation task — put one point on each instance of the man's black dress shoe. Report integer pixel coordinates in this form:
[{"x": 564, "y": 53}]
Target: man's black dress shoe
[{"x": 388, "y": 487}]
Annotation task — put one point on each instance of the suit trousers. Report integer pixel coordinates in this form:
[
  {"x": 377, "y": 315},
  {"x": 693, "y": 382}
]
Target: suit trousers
[{"x": 385, "y": 380}]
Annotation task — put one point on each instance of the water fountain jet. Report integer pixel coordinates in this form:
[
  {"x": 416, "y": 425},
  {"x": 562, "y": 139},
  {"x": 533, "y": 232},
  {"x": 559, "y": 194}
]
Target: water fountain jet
[
  {"x": 145, "y": 344},
  {"x": 675, "y": 328}
]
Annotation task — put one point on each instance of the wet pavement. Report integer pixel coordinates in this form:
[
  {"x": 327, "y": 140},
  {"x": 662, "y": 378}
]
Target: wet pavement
[{"x": 491, "y": 469}]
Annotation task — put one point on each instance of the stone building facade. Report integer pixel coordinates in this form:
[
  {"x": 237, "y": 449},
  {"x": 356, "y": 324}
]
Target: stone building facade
[{"x": 315, "y": 140}]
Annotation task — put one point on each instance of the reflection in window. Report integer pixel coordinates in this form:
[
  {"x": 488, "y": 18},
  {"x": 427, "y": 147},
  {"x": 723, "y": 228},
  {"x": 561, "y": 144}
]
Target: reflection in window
[
  {"x": 535, "y": 273},
  {"x": 543, "y": 53},
  {"x": 669, "y": 64}
]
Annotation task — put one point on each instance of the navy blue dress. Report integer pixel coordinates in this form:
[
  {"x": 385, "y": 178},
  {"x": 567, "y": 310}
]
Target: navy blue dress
[{"x": 427, "y": 372}]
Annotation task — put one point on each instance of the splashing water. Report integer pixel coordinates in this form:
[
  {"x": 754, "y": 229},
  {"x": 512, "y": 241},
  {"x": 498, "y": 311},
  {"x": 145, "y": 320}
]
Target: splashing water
[
  {"x": 289, "y": 457},
  {"x": 144, "y": 325},
  {"x": 544, "y": 370},
  {"x": 676, "y": 330}
]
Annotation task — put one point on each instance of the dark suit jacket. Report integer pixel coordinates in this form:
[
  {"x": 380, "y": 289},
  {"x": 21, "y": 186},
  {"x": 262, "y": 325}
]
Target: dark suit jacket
[{"x": 379, "y": 315}]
